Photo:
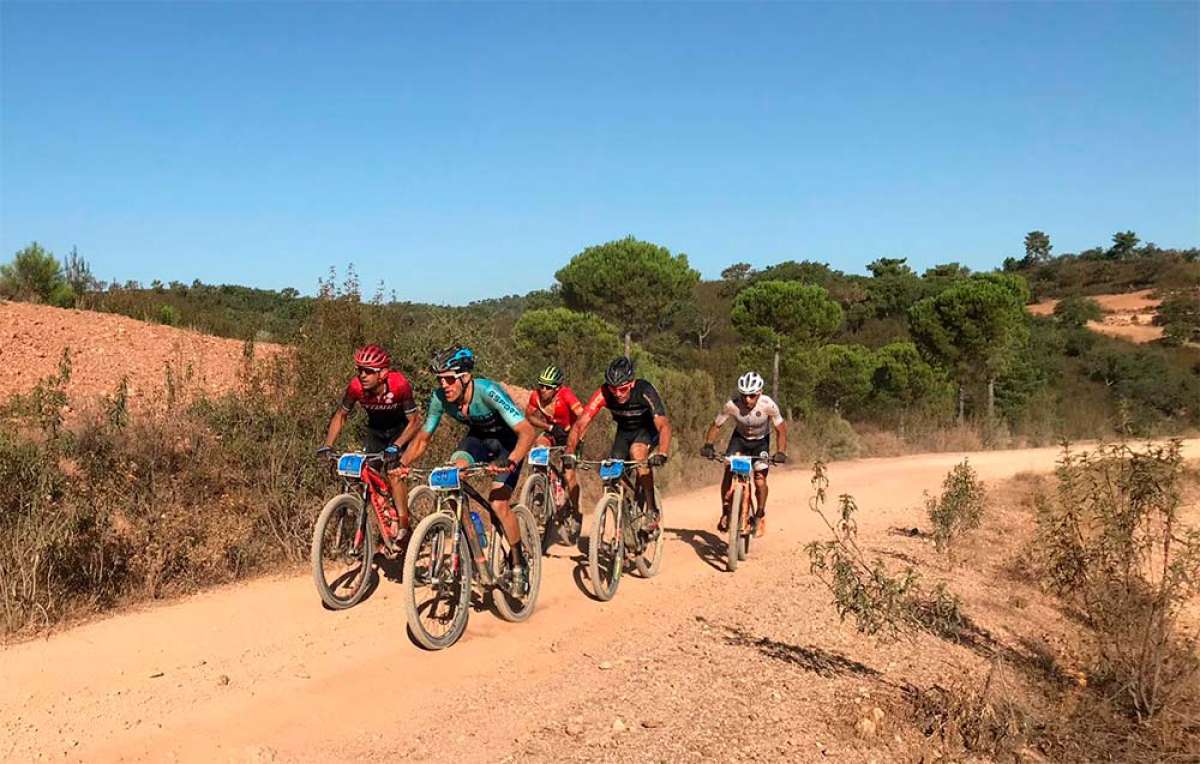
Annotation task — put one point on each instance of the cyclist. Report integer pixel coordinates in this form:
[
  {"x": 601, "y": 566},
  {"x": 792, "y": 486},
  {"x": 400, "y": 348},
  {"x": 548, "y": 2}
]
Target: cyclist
[
  {"x": 497, "y": 433},
  {"x": 753, "y": 414},
  {"x": 554, "y": 408},
  {"x": 387, "y": 397},
  {"x": 642, "y": 425}
]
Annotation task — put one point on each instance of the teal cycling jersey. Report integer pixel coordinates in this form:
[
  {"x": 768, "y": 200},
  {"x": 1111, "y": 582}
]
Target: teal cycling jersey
[{"x": 491, "y": 409}]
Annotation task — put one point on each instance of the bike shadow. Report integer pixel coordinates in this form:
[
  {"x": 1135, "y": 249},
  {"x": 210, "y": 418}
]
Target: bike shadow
[
  {"x": 709, "y": 547},
  {"x": 347, "y": 577}
]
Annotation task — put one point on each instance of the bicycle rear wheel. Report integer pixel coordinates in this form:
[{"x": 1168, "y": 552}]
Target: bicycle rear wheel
[
  {"x": 737, "y": 514},
  {"x": 518, "y": 605},
  {"x": 343, "y": 545},
  {"x": 422, "y": 501},
  {"x": 606, "y": 548},
  {"x": 650, "y": 560},
  {"x": 437, "y": 592}
]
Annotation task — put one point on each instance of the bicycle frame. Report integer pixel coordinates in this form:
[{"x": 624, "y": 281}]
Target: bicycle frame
[
  {"x": 452, "y": 501},
  {"x": 360, "y": 477},
  {"x": 618, "y": 485}
]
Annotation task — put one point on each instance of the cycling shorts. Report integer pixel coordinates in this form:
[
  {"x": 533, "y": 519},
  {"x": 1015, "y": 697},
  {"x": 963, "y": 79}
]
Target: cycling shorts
[
  {"x": 745, "y": 447},
  {"x": 626, "y": 438},
  {"x": 490, "y": 447},
  {"x": 375, "y": 441}
]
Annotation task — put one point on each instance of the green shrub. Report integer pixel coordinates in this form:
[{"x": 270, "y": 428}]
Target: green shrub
[{"x": 960, "y": 507}]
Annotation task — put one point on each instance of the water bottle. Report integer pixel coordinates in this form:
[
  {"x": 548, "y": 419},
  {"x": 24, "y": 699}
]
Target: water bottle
[{"x": 478, "y": 523}]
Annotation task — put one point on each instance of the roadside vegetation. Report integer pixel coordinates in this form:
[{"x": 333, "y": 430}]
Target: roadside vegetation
[
  {"x": 1106, "y": 551},
  {"x": 117, "y": 505}
]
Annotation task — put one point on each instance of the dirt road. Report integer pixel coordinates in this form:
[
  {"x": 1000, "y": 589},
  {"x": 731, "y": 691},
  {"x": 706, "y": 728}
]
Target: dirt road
[{"x": 261, "y": 672}]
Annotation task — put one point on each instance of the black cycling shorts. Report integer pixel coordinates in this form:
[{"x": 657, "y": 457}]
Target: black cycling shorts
[
  {"x": 744, "y": 447},
  {"x": 490, "y": 447},
  {"x": 626, "y": 438},
  {"x": 375, "y": 441}
]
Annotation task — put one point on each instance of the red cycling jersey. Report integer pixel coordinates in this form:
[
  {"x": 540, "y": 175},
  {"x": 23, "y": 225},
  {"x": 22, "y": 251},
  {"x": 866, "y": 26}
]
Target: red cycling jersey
[
  {"x": 564, "y": 404},
  {"x": 387, "y": 411}
]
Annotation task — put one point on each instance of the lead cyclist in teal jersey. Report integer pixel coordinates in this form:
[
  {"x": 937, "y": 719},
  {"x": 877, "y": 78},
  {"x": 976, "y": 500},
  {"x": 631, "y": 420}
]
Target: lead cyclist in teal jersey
[{"x": 497, "y": 434}]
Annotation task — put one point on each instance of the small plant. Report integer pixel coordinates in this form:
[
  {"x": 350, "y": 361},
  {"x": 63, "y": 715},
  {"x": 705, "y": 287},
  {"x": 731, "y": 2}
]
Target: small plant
[
  {"x": 882, "y": 604},
  {"x": 1112, "y": 544},
  {"x": 960, "y": 507}
]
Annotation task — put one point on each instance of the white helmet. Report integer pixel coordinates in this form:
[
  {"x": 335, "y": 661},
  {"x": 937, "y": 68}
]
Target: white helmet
[{"x": 750, "y": 383}]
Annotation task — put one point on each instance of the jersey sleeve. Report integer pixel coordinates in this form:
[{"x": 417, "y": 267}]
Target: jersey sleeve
[
  {"x": 595, "y": 403},
  {"x": 532, "y": 405},
  {"x": 499, "y": 401},
  {"x": 772, "y": 410},
  {"x": 568, "y": 397},
  {"x": 435, "y": 413},
  {"x": 404, "y": 393},
  {"x": 728, "y": 410},
  {"x": 352, "y": 395},
  {"x": 654, "y": 399}
]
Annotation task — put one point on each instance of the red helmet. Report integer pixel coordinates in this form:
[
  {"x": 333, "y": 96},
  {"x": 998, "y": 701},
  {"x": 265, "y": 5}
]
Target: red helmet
[{"x": 372, "y": 357}]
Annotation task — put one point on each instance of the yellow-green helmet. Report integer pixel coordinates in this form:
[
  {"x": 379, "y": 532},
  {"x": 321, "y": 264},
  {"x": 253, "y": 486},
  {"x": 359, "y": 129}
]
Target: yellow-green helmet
[{"x": 552, "y": 376}]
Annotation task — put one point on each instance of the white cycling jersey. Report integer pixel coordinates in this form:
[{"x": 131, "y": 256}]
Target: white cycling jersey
[{"x": 751, "y": 423}]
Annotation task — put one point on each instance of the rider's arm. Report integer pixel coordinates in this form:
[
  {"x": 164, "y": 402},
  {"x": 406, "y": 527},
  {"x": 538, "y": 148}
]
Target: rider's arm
[
  {"x": 663, "y": 425},
  {"x": 710, "y": 435},
  {"x": 525, "y": 435},
  {"x": 336, "y": 422},
  {"x": 416, "y": 449},
  {"x": 410, "y": 410},
  {"x": 781, "y": 437},
  {"x": 573, "y": 403},
  {"x": 594, "y": 404},
  {"x": 535, "y": 416},
  {"x": 723, "y": 415}
]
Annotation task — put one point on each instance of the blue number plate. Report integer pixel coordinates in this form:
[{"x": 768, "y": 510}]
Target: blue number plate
[
  {"x": 539, "y": 457},
  {"x": 611, "y": 469},
  {"x": 351, "y": 465},
  {"x": 740, "y": 465},
  {"x": 445, "y": 479}
]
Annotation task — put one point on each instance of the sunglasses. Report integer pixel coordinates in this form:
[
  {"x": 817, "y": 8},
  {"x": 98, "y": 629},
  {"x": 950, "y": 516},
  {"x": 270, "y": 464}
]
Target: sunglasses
[
  {"x": 621, "y": 388},
  {"x": 368, "y": 370},
  {"x": 548, "y": 387},
  {"x": 750, "y": 396},
  {"x": 448, "y": 379}
]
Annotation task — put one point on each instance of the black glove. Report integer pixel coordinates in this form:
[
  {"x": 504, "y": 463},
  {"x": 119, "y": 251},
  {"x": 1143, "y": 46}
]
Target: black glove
[
  {"x": 657, "y": 460},
  {"x": 557, "y": 433},
  {"x": 708, "y": 452},
  {"x": 324, "y": 452},
  {"x": 779, "y": 458},
  {"x": 391, "y": 455},
  {"x": 570, "y": 460}
]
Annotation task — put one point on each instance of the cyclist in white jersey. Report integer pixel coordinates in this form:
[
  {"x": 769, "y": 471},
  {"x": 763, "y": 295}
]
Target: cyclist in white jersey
[{"x": 754, "y": 414}]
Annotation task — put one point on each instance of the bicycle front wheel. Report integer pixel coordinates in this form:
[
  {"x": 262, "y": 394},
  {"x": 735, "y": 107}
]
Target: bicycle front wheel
[
  {"x": 737, "y": 515},
  {"x": 513, "y": 603},
  {"x": 606, "y": 548},
  {"x": 437, "y": 586},
  {"x": 343, "y": 545},
  {"x": 650, "y": 560}
]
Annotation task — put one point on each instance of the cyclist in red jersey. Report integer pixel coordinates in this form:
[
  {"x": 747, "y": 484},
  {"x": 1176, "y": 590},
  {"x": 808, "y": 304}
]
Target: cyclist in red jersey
[
  {"x": 554, "y": 408},
  {"x": 387, "y": 397},
  {"x": 641, "y": 420}
]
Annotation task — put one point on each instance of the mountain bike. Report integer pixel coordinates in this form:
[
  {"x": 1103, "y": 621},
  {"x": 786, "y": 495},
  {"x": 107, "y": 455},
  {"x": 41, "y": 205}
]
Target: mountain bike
[
  {"x": 453, "y": 548},
  {"x": 350, "y": 529},
  {"x": 740, "y": 532},
  {"x": 619, "y": 533},
  {"x": 545, "y": 494}
]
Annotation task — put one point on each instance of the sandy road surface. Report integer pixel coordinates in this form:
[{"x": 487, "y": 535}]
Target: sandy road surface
[{"x": 261, "y": 672}]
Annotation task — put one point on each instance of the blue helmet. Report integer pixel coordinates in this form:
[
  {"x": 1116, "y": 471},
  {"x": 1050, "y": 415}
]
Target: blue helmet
[{"x": 455, "y": 358}]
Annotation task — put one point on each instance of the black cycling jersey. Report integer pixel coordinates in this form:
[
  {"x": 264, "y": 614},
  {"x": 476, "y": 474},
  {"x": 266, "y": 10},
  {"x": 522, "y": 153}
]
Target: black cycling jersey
[{"x": 636, "y": 413}]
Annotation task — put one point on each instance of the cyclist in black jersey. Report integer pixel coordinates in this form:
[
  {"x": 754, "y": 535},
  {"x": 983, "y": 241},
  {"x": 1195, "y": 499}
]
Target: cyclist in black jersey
[{"x": 641, "y": 419}]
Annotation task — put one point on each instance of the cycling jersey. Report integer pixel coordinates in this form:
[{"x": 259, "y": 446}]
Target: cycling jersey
[
  {"x": 491, "y": 410},
  {"x": 389, "y": 410},
  {"x": 751, "y": 423},
  {"x": 560, "y": 411},
  {"x": 636, "y": 413}
]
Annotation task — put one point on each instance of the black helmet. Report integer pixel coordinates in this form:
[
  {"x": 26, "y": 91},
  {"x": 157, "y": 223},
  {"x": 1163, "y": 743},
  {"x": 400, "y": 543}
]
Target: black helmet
[
  {"x": 619, "y": 372},
  {"x": 455, "y": 358}
]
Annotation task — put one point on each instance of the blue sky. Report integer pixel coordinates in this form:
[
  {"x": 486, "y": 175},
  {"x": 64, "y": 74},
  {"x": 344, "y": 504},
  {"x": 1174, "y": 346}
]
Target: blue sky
[{"x": 461, "y": 151}]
